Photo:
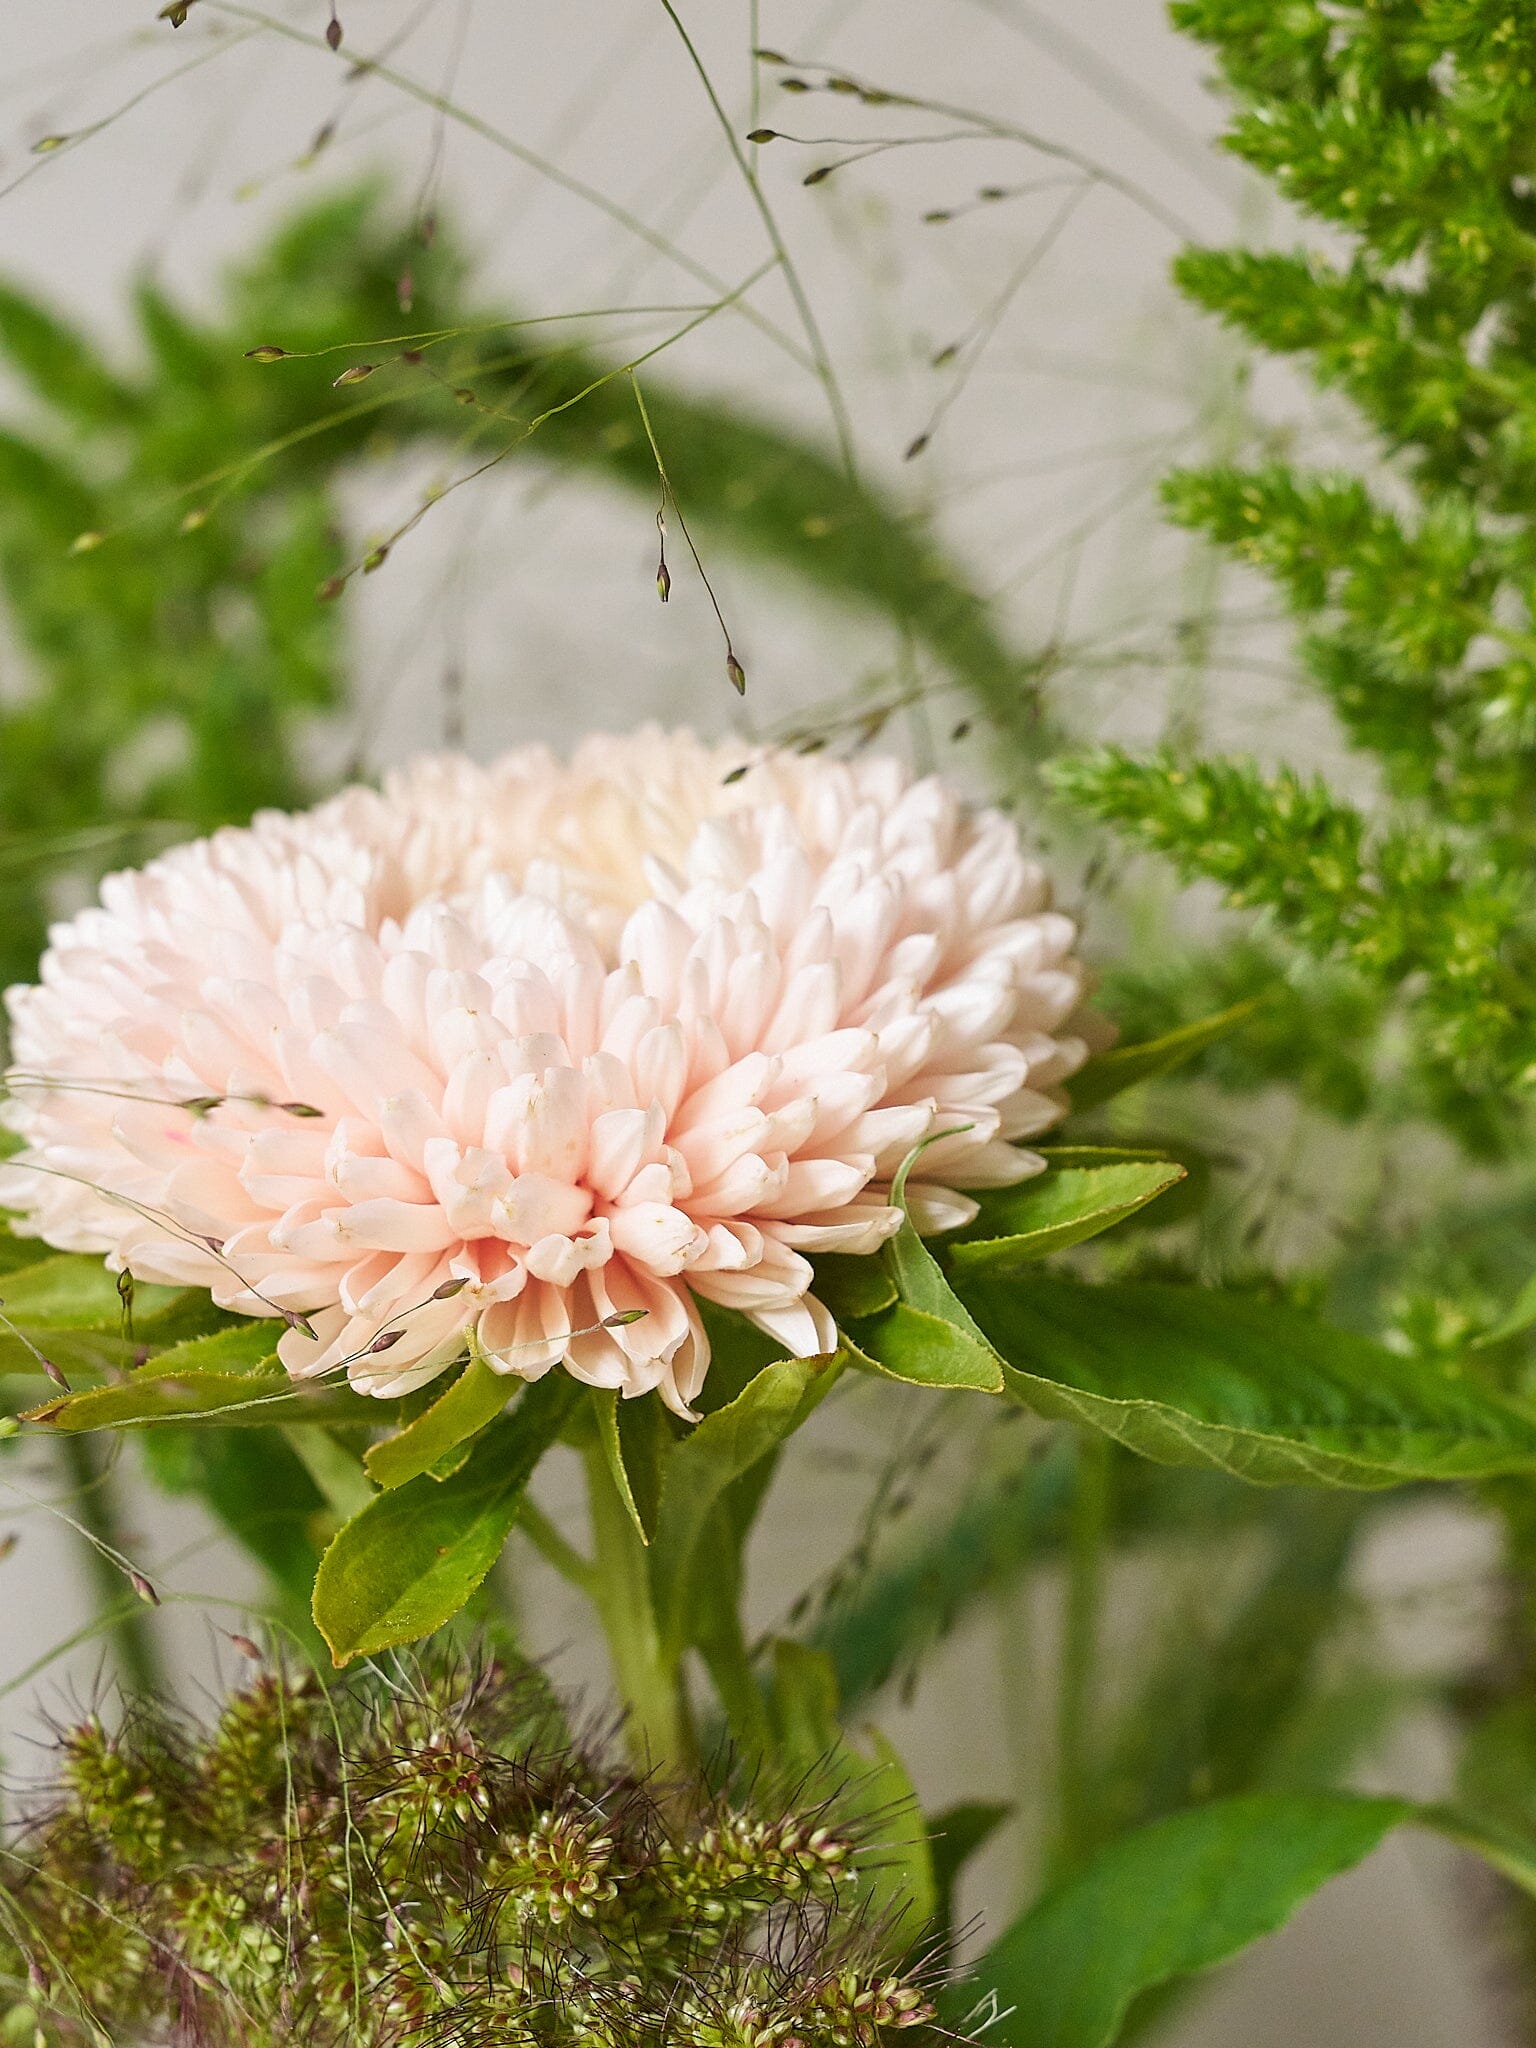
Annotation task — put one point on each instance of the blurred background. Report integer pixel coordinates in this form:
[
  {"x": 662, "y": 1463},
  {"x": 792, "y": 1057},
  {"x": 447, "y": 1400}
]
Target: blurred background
[{"x": 967, "y": 303}]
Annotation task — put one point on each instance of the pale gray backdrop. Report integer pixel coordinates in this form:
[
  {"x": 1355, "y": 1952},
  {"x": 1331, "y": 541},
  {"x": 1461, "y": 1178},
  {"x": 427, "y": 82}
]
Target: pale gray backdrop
[{"x": 538, "y": 590}]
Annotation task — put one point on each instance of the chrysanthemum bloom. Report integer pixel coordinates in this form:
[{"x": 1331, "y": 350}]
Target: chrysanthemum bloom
[{"x": 544, "y": 1052}]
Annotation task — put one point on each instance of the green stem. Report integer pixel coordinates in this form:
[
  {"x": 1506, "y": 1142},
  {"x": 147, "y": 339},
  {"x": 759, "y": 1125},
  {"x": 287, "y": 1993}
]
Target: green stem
[
  {"x": 723, "y": 1645},
  {"x": 93, "y": 1504},
  {"x": 555, "y": 1550},
  {"x": 1088, "y": 1529},
  {"x": 649, "y": 1679}
]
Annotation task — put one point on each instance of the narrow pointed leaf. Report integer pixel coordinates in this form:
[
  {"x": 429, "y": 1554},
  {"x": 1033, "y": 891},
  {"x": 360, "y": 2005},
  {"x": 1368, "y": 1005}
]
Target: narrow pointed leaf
[
  {"x": 605, "y": 1406},
  {"x": 1519, "y": 1316},
  {"x": 201, "y": 1392},
  {"x": 1064, "y": 1208},
  {"x": 471, "y": 1404},
  {"x": 1109, "y": 1073},
  {"x": 60, "y": 364},
  {"x": 717, "y": 1451},
  {"x": 956, "y": 1835},
  {"x": 897, "y": 1885}
]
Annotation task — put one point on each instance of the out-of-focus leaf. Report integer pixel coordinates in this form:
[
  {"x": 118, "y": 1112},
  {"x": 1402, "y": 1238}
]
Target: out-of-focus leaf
[
  {"x": 1496, "y": 1773},
  {"x": 956, "y": 1835},
  {"x": 59, "y": 363},
  {"x": 1110, "y": 1073},
  {"x": 1229, "y": 1673},
  {"x": 75, "y": 1291},
  {"x": 897, "y": 1888},
  {"x": 259, "y": 1491},
  {"x": 1519, "y": 1316},
  {"x": 893, "y": 1610}
]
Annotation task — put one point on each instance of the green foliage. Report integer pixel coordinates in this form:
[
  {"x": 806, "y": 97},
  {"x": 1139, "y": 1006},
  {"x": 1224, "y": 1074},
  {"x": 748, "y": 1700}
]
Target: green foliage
[
  {"x": 1404, "y": 129},
  {"x": 1400, "y": 904},
  {"x": 175, "y": 655},
  {"x": 1177, "y": 1896},
  {"x": 433, "y": 1858},
  {"x": 718, "y": 1452},
  {"x": 413, "y": 1556},
  {"x": 1065, "y": 1208},
  {"x": 436, "y": 1439},
  {"x": 1252, "y": 1387}
]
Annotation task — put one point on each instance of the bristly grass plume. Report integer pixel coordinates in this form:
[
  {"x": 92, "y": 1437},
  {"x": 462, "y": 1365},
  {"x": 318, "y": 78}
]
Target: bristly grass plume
[{"x": 429, "y": 1856}]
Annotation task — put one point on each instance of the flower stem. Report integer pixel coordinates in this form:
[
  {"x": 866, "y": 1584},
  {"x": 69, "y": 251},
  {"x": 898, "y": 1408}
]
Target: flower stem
[
  {"x": 1086, "y": 1547},
  {"x": 649, "y": 1680}
]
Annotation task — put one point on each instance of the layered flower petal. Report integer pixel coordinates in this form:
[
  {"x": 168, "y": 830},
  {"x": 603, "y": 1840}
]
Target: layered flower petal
[{"x": 542, "y": 1052}]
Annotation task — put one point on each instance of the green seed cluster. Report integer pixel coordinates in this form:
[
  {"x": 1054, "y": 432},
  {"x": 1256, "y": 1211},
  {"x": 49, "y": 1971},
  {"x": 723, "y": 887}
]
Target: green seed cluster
[{"x": 425, "y": 1857}]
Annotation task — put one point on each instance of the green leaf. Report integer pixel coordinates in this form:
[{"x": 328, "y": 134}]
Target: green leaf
[
  {"x": 634, "y": 1440},
  {"x": 1231, "y": 1668},
  {"x": 229, "y": 1377},
  {"x": 242, "y": 1347},
  {"x": 852, "y": 1288},
  {"x": 75, "y": 1291},
  {"x": 1169, "y": 1899},
  {"x": 1185, "y": 1375},
  {"x": 645, "y": 1444},
  {"x": 929, "y": 1337},
  {"x": 253, "y": 1483},
  {"x": 718, "y": 1450},
  {"x": 195, "y": 1398},
  {"x": 411, "y": 1559},
  {"x": 897, "y": 1885},
  {"x": 1068, "y": 1205},
  {"x": 605, "y": 1403},
  {"x": 1124, "y": 1065},
  {"x": 924, "y": 1350},
  {"x": 1086, "y": 1155},
  {"x": 890, "y": 1613},
  {"x": 471, "y": 1404},
  {"x": 60, "y": 364},
  {"x": 955, "y": 1836},
  {"x": 897, "y": 1888},
  {"x": 1519, "y": 1316},
  {"x": 803, "y": 1700},
  {"x": 1508, "y": 1850}
]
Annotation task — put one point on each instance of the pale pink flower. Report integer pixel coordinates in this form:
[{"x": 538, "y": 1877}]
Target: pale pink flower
[{"x": 583, "y": 1041}]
